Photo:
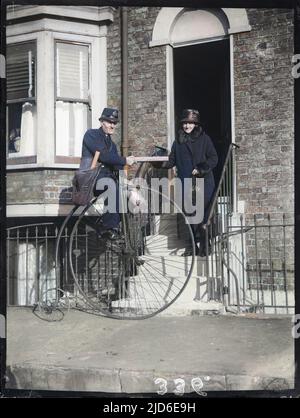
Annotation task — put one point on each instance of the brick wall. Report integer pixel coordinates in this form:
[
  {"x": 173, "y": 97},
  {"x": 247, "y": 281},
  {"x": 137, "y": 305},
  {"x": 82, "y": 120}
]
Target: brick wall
[
  {"x": 264, "y": 107},
  {"x": 114, "y": 69},
  {"x": 147, "y": 101},
  {"x": 39, "y": 186},
  {"x": 265, "y": 113}
]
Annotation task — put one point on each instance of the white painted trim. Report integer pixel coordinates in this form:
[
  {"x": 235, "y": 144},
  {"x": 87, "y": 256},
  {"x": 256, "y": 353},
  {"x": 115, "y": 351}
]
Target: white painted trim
[
  {"x": 93, "y": 13},
  {"x": 52, "y": 25},
  {"x": 232, "y": 101},
  {"x": 167, "y": 17},
  {"x": 170, "y": 95},
  {"x": 165, "y": 20},
  {"x": 75, "y": 37},
  {"x": 45, "y": 99},
  {"x": 199, "y": 41},
  {"x": 27, "y": 37},
  {"x": 238, "y": 20},
  {"x": 99, "y": 75},
  {"x": 240, "y": 29},
  {"x": 15, "y": 211},
  {"x": 41, "y": 166},
  {"x": 160, "y": 42}
]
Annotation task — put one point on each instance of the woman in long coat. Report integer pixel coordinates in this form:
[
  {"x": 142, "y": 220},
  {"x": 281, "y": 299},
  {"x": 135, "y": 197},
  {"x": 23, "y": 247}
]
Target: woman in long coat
[{"x": 194, "y": 154}]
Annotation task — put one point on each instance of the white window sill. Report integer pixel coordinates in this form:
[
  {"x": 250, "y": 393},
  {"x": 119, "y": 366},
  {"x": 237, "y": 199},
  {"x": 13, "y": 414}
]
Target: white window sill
[{"x": 41, "y": 166}]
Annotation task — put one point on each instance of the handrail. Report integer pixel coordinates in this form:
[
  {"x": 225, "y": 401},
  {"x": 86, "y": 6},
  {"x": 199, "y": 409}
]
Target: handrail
[{"x": 221, "y": 181}]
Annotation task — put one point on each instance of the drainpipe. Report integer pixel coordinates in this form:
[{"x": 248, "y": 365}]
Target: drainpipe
[{"x": 124, "y": 77}]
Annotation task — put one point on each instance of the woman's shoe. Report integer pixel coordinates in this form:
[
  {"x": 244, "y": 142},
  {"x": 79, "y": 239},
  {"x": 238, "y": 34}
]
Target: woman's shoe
[
  {"x": 189, "y": 252},
  {"x": 203, "y": 253}
]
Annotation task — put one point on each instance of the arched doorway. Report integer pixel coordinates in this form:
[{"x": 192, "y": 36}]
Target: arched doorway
[
  {"x": 199, "y": 50},
  {"x": 202, "y": 81}
]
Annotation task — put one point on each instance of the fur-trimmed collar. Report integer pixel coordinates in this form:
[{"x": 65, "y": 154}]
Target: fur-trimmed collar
[{"x": 183, "y": 137}]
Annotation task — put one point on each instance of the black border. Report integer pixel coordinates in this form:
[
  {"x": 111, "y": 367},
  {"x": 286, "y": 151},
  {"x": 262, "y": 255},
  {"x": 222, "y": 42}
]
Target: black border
[
  {"x": 285, "y": 4},
  {"x": 2, "y": 202},
  {"x": 297, "y": 188}
]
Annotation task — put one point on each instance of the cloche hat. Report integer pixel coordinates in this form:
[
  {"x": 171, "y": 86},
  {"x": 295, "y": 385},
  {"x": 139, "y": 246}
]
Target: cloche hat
[{"x": 190, "y": 115}]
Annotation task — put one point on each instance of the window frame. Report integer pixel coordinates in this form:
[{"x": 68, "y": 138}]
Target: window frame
[
  {"x": 13, "y": 158},
  {"x": 61, "y": 159}
]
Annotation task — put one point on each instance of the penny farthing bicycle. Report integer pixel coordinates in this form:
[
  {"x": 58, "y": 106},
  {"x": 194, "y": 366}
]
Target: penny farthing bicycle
[{"x": 140, "y": 274}]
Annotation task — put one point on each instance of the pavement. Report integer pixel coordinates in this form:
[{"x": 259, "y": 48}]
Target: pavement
[{"x": 86, "y": 352}]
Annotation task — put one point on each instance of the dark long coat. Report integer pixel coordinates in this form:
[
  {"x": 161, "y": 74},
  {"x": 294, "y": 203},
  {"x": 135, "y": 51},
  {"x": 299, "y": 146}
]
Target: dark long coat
[{"x": 197, "y": 152}]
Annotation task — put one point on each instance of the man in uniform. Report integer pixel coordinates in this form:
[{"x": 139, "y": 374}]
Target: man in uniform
[{"x": 100, "y": 141}]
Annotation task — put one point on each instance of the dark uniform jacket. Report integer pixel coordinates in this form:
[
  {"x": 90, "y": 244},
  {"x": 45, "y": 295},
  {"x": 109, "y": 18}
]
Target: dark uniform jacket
[{"x": 96, "y": 140}]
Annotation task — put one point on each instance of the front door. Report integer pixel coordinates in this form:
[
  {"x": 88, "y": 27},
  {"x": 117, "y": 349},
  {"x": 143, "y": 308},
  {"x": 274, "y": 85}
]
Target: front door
[{"x": 202, "y": 81}]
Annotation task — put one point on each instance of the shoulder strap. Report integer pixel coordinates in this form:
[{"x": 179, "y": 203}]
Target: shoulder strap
[{"x": 95, "y": 159}]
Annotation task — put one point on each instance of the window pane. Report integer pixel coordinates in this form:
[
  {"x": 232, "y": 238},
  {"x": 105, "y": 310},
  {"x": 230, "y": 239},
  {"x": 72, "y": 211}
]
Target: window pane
[
  {"x": 21, "y": 129},
  {"x": 72, "y": 72},
  {"x": 71, "y": 125},
  {"x": 21, "y": 63},
  {"x": 14, "y": 127}
]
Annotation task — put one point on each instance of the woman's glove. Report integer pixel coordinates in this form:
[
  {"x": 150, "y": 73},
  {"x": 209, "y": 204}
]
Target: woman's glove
[{"x": 202, "y": 169}]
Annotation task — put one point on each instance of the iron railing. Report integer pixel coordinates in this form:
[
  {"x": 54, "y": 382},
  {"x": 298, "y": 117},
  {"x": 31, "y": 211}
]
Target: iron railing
[
  {"x": 38, "y": 260},
  {"x": 249, "y": 261},
  {"x": 257, "y": 264},
  {"x": 30, "y": 262},
  {"x": 216, "y": 229}
]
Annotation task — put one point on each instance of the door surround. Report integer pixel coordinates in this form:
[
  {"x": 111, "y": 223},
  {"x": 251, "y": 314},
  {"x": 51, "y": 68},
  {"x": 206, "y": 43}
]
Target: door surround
[{"x": 192, "y": 28}]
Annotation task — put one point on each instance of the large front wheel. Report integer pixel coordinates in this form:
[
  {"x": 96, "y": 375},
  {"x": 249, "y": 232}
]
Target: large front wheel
[{"x": 140, "y": 275}]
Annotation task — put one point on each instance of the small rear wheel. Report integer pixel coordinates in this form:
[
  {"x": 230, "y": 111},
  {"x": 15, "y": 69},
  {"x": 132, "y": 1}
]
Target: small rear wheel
[{"x": 53, "y": 305}]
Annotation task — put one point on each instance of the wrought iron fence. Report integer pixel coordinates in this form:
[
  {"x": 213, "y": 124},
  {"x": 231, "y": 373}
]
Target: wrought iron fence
[
  {"x": 249, "y": 261},
  {"x": 30, "y": 262},
  {"x": 31, "y": 268},
  {"x": 252, "y": 264},
  {"x": 35, "y": 264}
]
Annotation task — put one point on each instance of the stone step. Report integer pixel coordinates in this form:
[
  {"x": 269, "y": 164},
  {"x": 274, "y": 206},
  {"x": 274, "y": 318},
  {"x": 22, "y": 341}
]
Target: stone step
[
  {"x": 148, "y": 291},
  {"x": 169, "y": 265}
]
